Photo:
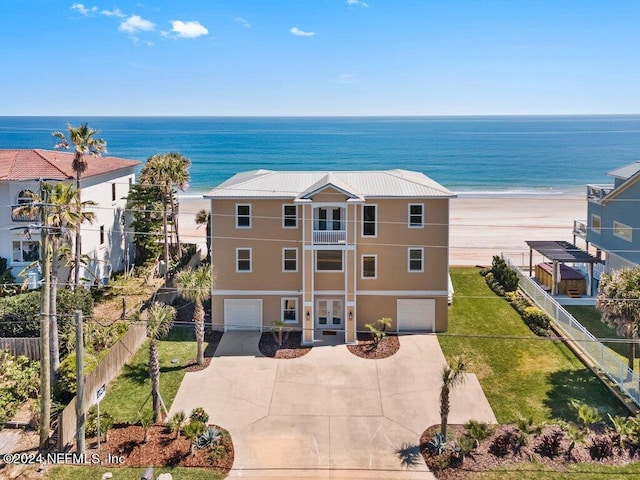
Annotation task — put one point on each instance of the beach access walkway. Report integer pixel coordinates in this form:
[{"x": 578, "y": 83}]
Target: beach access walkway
[{"x": 328, "y": 414}]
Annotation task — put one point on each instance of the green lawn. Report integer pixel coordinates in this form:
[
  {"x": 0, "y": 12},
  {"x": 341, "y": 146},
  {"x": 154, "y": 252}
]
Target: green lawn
[
  {"x": 129, "y": 392},
  {"x": 520, "y": 376},
  {"x": 590, "y": 318},
  {"x": 582, "y": 471},
  {"x": 65, "y": 472}
]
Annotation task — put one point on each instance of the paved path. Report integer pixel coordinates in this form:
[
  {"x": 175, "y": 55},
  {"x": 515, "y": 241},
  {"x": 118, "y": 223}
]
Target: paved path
[{"x": 328, "y": 414}]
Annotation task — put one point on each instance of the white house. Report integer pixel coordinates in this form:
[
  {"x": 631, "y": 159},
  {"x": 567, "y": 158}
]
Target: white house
[{"x": 106, "y": 181}]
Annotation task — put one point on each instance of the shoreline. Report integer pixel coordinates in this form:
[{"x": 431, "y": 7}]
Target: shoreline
[{"x": 479, "y": 226}]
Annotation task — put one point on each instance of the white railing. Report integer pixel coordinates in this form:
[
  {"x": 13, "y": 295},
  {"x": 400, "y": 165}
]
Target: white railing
[
  {"x": 597, "y": 192},
  {"x": 329, "y": 237},
  {"x": 601, "y": 356},
  {"x": 580, "y": 229}
]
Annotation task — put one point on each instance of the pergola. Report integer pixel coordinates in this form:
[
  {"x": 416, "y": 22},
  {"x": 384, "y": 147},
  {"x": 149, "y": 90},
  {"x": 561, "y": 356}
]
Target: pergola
[{"x": 559, "y": 251}]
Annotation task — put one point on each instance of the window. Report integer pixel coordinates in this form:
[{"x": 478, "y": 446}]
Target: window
[
  {"x": 289, "y": 259},
  {"x": 25, "y": 197},
  {"x": 289, "y": 216},
  {"x": 26, "y": 251},
  {"x": 622, "y": 231},
  {"x": 369, "y": 266},
  {"x": 369, "y": 218},
  {"x": 329, "y": 260},
  {"x": 243, "y": 260},
  {"x": 416, "y": 215},
  {"x": 290, "y": 310},
  {"x": 596, "y": 223},
  {"x": 101, "y": 234},
  {"x": 113, "y": 192},
  {"x": 243, "y": 216},
  {"x": 415, "y": 260}
]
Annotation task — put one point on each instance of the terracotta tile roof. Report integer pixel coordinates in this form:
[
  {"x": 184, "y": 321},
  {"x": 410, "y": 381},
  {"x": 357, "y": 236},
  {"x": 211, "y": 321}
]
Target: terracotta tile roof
[{"x": 53, "y": 164}]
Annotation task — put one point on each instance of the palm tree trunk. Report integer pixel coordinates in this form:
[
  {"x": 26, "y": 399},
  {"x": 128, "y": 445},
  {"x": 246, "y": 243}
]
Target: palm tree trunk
[
  {"x": 166, "y": 240},
  {"x": 199, "y": 327},
  {"x": 78, "y": 245},
  {"x": 54, "y": 342},
  {"x": 154, "y": 368},
  {"x": 444, "y": 410},
  {"x": 174, "y": 216}
]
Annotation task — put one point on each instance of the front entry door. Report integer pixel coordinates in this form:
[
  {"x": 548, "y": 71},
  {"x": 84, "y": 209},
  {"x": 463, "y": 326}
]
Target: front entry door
[{"x": 329, "y": 313}]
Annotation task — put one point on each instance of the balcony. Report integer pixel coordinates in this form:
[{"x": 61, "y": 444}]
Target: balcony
[
  {"x": 598, "y": 192},
  {"x": 22, "y": 218},
  {"x": 329, "y": 237},
  {"x": 580, "y": 229}
]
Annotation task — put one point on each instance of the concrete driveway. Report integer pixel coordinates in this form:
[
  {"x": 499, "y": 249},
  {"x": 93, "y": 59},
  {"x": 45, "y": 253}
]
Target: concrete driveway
[{"x": 328, "y": 414}]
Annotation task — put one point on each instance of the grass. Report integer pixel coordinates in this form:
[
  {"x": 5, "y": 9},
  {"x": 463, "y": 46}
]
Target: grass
[
  {"x": 128, "y": 395},
  {"x": 583, "y": 471},
  {"x": 590, "y": 318},
  {"x": 524, "y": 376},
  {"x": 67, "y": 472}
]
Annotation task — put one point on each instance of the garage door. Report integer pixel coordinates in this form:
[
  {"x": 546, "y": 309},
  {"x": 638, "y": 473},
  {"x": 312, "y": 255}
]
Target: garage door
[
  {"x": 416, "y": 315},
  {"x": 244, "y": 314}
]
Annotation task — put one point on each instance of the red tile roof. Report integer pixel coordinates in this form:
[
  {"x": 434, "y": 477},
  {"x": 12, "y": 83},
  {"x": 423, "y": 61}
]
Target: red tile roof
[{"x": 52, "y": 164}]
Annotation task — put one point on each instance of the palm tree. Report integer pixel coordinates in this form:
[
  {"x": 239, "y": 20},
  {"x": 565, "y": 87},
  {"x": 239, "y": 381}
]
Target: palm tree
[
  {"x": 203, "y": 217},
  {"x": 452, "y": 376},
  {"x": 65, "y": 213},
  {"x": 84, "y": 143},
  {"x": 196, "y": 285},
  {"x": 167, "y": 171},
  {"x": 619, "y": 301},
  {"x": 159, "y": 321}
]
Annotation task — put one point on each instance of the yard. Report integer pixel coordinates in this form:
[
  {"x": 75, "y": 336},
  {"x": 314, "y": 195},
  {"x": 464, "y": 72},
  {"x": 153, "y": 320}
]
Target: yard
[
  {"x": 521, "y": 374},
  {"x": 91, "y": 472}
]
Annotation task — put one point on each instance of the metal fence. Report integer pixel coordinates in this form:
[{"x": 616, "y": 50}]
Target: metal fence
[{"x": 599, "y": 354}]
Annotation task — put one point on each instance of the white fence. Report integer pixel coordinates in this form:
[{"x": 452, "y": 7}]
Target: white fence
[{"x": 600, "y": 355}]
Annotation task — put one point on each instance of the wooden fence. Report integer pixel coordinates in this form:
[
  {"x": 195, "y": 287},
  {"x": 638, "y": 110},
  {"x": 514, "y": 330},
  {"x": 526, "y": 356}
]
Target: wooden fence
[
  {"x": 106, "y": 370},
  {"x": 28, "y": 346}
]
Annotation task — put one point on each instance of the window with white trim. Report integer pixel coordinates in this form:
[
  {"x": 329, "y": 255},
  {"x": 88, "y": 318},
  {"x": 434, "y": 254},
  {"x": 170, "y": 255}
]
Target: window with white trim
[
  {"x": 416, "y": 215},
  {"x": 329, "y": 260},
  {"x": 289, "y": 259},
  {"x": 596, "y": 223},
  {"x": 289, "y": 310},
  {"x": 243, "y": 260},
  {"x": 289, "y": 216},
  {"x": 369, "y": 220},
  {"x": 26, "y": 251},
  {"x": 369, "y": 266},
  {"x": 243, "y": 216},
  {"x": 622, "y": 231},
  {"x": 415, "y": 259}
]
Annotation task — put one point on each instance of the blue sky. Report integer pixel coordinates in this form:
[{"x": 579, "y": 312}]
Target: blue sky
[{"x": 319, "y": 57}]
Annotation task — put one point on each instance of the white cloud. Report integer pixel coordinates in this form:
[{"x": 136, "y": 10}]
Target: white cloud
[
  {"x": 347, "y": 79},
  {"x": 136, "y": 23},
  {"x": 242, "y": 21},
  {"x": 113, "y": 13},
  {"x": 301, "y": 33},
  {"x": 358, "y": 3},
  {"x": 83, "y": 10},
  {"x": 182, "y": 29}
]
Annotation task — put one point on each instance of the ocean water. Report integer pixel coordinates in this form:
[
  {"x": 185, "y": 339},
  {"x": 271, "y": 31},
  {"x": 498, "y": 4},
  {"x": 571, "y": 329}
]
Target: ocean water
[{"x": 524, "y": 155}]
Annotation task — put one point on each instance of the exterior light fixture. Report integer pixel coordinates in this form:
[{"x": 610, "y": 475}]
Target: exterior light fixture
[
  {"x": 308, "y": 316},
  {"x": 350, "y": 314}
]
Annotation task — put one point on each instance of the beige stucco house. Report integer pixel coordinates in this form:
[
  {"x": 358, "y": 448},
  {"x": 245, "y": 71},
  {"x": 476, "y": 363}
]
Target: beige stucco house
[{"x": 330, "y": 251}]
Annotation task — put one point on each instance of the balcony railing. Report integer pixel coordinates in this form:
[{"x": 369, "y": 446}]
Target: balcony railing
[
  {"x": 22, "y": 218},
  {"x": 598, "y": 192},
  {"x": 580, "y": 229},
  {"x": 329, "y": 237}
]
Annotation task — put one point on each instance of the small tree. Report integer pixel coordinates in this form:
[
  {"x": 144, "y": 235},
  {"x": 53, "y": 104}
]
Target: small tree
[
  {"x": 196, "y": 285},
  {"x": 146, "y": 420},
  {"x": 192, "y": 430},
  {"x": 452, "y": 376},
  {"x": 280, "y": 332},
  {"x": 178, "y": 420},
  {"x": 378, "y": 330}
]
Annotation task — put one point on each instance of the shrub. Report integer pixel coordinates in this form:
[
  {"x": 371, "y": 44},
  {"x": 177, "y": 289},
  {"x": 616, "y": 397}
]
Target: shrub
[
  {"x": 508, "y": 441},
  {"x": 477, "y": 431},
  {"x": 216, "y": 452},
  {"x": 199, "y": 415},
  {"x": 517, "y": 301},
  {"x": 437, "y": 445},
  {"x": 506, "y": 277},
  {"x": 209, "y": 438},
  {"x": 91, "y": 425},
  {"x": 549, "y": 444},
  {"x": 65, "y": 388},
  {"x": 462, "y": 447},
  {"x": 601, "y": 447},
  {"x": 537, "y": 320},
  {"x": 587, "y": 415},
  {"x": 378, "y": 330},
  {"x": 177, "y": 420}
]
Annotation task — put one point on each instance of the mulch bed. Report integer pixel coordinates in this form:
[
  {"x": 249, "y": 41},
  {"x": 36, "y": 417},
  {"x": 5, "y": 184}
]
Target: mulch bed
[
  {"x": 366, "y": 348},
  {"x": 484, "y": 457},
  {"x": 213, "y": 340},
  {"x": 162, "y": 449},
  {"x": 291, "y": 346}
]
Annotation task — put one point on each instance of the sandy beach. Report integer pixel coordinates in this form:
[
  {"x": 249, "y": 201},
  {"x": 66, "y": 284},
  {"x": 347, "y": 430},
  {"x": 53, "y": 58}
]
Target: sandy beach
[{"x": 480, "y": 227}]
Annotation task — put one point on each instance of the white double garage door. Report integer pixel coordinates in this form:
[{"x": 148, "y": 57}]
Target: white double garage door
[{"x": 413, "y": 315}]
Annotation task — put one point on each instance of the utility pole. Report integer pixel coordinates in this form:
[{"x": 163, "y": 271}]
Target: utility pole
[
  {"x": 45, "y": 293},
  {"x": 80, "y": 419}
]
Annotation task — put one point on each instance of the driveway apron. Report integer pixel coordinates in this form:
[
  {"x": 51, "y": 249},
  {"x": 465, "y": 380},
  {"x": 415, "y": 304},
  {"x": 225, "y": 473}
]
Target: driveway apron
[{"x": 328, "y": 414}]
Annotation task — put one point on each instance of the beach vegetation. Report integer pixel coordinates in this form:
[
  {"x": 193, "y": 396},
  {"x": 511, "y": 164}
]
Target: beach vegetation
[
  {"x": 196, "y": 285},
  {"x": 619, "y": 302}
]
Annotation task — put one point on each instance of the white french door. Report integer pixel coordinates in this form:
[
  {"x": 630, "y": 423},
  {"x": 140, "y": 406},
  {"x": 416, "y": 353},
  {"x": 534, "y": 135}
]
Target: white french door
[{"x": 329, "y": 313}]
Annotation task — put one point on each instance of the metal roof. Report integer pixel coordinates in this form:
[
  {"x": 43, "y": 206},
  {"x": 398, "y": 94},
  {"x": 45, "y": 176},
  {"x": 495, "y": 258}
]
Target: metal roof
[
  {"x": 561, "y": 251},
  {"x": 380, "y": 183},
  {"x": 626, "y": 172}
]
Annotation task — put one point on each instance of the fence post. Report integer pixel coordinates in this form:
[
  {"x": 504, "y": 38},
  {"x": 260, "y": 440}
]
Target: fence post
[{"x": 81, "y": 447}]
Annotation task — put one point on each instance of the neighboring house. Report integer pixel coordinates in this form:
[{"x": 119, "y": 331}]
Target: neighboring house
[
  {"x": 613, "y": 218},
  {"x": 106, "y": 181},
  {"x": 330, "y": 251}
]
